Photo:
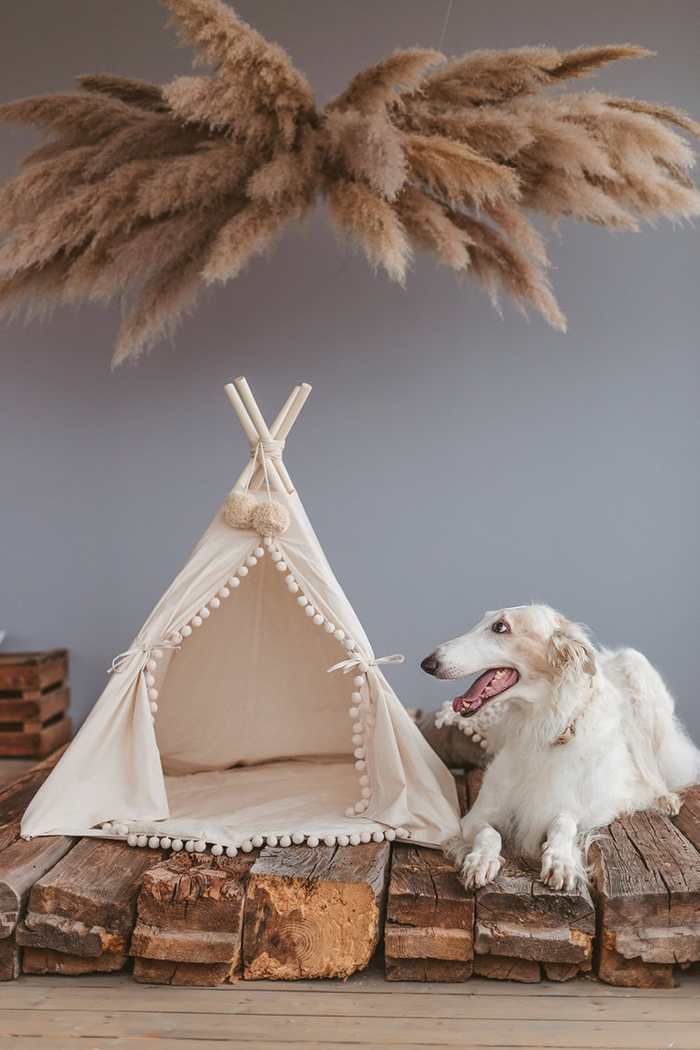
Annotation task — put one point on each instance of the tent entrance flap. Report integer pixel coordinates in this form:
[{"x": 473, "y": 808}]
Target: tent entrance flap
[{"x": 251, "y": 684}]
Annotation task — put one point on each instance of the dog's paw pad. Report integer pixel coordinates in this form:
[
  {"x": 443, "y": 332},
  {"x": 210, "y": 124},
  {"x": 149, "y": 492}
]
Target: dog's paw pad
[
  {"x": 479, "y": 869},
  {"x": 669, "y": 804},
  {"x": 559, "y": 873}
]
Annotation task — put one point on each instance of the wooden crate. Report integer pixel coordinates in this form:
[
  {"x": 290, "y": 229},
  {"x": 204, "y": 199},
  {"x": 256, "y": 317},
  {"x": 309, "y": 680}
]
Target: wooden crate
[{"x": 33, "y": 703}]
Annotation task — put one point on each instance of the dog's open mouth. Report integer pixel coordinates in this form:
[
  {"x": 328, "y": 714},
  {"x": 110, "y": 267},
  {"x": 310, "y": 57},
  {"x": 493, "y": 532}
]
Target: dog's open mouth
[{"x": 487, "y": 687}]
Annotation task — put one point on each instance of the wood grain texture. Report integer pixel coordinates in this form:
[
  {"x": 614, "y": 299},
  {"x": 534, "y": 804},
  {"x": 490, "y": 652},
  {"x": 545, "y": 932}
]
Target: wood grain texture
[
  {"x": 507, "y": 968},
  {"x": 35, "y": 741},
  {"x": 314, "y": 912},
  {"x": 190, "y": 911},
  {"x": 46, "y": 960},
  {"x": 425, "y": 890},
  {"x": 648, "y": 886},
  {"x": 21, "y": 865},
  {"x": 35, "y": 708},
  {"x": 518, "y": 916},
  {"x": 86, "y": 905},
  {"x": 32, "y": 672},
  {"x": 16, "y": 794},
  {"x": 429, "y": 932},
  {"x": 10, "y": 959},
  {"x": 688, "y": 820},
  {"x": 182, "y": 974},
  {"x": 440, "y": 971}
]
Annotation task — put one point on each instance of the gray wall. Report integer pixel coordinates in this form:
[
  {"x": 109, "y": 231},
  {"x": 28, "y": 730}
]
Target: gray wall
[{"x": 451, "y": 461}]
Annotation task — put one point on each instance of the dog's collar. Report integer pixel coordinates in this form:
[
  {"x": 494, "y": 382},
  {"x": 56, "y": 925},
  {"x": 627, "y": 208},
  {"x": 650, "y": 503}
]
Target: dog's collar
[{"x": 570, "y": 731}]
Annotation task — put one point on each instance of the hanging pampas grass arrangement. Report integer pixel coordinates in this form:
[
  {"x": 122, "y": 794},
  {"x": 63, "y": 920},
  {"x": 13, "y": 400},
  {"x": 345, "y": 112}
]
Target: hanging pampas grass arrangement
[{"x": 151, "y": 193}]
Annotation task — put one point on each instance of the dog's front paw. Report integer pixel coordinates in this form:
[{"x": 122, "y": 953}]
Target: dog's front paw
[
  {"x": 669, "y": 804},
  {"x": 479, "y": 869},
  {"x": 558, "y": 871}
]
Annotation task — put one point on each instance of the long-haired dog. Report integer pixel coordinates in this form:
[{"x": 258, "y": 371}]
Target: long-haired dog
[{"x": 588, "y": 735}]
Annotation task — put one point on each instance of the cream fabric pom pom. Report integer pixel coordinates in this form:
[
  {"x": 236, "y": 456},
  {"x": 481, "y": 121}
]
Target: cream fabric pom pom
[
  {"x": 238, "y": 510},
  {"x": 270, "y": 519}
]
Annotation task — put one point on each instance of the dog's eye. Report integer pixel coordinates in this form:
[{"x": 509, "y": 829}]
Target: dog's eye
[{"x": 500, "y": 627}]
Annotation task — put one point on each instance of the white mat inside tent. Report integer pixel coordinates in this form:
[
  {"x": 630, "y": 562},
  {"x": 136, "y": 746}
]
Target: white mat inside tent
[{"x": 309, "y": 797}]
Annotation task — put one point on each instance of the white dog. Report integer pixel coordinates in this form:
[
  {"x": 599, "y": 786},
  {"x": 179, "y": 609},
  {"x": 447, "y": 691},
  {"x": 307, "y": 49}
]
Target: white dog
[{"x": 588, "y": 736}]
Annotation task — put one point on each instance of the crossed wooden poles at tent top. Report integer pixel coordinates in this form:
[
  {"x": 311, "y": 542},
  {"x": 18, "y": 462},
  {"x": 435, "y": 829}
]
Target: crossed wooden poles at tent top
[{"x": 258, "y": 432}]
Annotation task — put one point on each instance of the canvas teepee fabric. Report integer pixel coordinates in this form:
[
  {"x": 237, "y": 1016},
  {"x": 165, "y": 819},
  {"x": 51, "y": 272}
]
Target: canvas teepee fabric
[{"x": 250, "y": 708}]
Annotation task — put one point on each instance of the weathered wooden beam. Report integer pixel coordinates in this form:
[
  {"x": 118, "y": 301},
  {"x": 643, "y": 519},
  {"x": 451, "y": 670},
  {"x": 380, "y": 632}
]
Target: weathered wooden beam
[
  {"x": 193, "y": 975},
  {"x": 507, "y": 968},
  {"x": 430, "y": 916},
  {"x": 518, "y": 917},
  {"x": 10, "y": 959},
  {"x": 21, "y": 865},
  {"x": 46, "y": 960},
  {"x": 86, "y": 905},
  {"x": 190, "y": 919},
  {"x": 429, "y": 932},
  {"x": 688, "y": 820},
  {"x": 314, "y": 912},
  {"x": 16, "y": 795},
  {"x": 21, "y": 862},
  {"x": 648, "y": 889}
]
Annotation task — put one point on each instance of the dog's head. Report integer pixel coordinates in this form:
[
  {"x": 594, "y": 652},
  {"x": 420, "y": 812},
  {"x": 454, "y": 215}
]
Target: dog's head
[{"x": 518, "y": 653}]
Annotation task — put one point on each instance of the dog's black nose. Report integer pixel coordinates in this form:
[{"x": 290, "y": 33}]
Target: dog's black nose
[{"x": 430, "y": 664}]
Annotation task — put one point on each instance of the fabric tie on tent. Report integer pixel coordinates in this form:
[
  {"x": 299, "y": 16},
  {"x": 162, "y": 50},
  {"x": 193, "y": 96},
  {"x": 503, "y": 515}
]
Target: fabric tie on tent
[
  {"x": 356, "y": 661},
  {"x": 120, "y": 662}
]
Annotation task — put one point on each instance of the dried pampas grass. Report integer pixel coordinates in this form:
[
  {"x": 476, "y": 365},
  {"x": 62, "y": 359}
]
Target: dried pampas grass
[{"x": 150, "y": 193}]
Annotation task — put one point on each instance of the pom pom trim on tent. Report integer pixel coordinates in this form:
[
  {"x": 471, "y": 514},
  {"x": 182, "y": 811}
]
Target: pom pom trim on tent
[{"x": 150, "y": 193}]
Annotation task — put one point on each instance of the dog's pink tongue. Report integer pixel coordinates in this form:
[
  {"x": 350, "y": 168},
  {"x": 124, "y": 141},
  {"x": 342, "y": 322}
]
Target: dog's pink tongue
[{"x": 473, "y": 692}]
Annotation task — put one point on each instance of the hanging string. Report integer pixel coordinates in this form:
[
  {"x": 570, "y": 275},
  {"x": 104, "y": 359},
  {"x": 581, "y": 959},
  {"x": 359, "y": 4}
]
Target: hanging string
[{"x": 444, "y": 24}]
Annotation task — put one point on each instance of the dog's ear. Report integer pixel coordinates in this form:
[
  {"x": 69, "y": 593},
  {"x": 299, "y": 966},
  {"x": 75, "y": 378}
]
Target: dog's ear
[{"x": 570, "y": 650}]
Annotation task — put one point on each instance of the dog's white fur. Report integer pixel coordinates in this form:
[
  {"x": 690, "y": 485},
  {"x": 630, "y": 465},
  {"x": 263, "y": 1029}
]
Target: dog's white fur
[{"x": 629, "y": 751}]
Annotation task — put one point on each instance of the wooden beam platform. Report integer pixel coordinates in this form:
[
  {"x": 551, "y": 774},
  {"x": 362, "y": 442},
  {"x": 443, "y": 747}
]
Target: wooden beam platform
[
  {"x": 91, "y": 905},
  {"x": 314, "y": 912},
  {"x": 85, "y": 906},
  {"x": 189, "y": 928},
  {"x": 648, "y": 887}
]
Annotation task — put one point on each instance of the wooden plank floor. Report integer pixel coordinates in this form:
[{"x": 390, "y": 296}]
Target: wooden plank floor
[{"x": 109, "y": 1010}]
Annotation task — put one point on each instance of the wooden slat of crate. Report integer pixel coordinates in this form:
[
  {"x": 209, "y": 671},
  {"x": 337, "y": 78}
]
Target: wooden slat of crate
[
  {"x": 86, "y": 905},
  {"x": 190, "y": 919},
  {"x": 35, "y": 741},
  {"x": 32, "y": 672},
  {"x": 648, "y": 887},
  {"x": 314, "y": 912},
  {"x": 37, "y": 709}
]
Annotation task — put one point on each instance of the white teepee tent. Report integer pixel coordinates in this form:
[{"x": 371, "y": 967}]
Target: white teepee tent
[{"x": 221, "y": 725}]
